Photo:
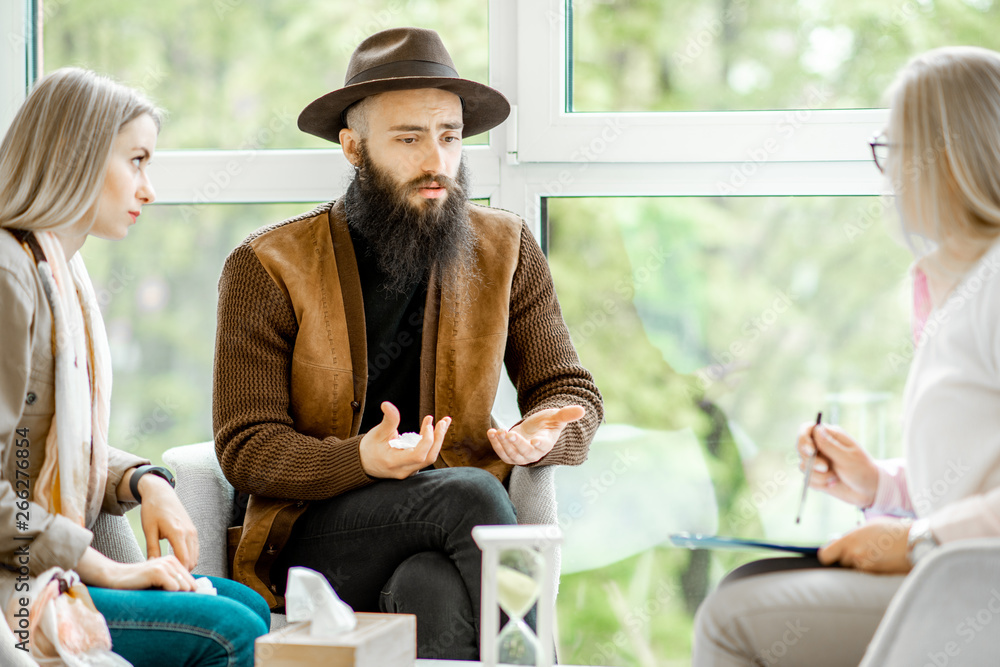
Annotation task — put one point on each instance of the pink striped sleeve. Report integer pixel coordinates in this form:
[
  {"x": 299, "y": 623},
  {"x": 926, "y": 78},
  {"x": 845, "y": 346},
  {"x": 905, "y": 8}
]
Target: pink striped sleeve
[{"x": 891, "y": 497}]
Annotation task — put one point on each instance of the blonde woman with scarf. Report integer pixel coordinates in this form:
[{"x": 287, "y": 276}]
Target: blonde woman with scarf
[{"x": 73, "y": 165}]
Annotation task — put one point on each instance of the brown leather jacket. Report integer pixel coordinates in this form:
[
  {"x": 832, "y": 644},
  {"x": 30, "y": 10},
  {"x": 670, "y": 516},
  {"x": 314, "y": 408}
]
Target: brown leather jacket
[{"x": 291, "y": 367}]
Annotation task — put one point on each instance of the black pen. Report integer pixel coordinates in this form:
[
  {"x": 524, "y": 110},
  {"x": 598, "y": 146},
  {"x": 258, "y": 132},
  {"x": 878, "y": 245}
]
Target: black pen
[{"x": 809, "y": 468}]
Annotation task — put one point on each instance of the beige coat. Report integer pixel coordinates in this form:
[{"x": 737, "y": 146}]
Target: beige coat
[{"x": 27, "y": 404}]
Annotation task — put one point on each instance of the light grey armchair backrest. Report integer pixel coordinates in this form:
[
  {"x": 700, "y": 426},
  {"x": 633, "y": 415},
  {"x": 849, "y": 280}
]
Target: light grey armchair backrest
[
  {"x": 114, "y": 538},
  {"x": 947, "y": 612}
]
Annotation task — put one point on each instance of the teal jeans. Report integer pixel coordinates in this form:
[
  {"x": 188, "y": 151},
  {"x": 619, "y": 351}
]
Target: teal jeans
[{"x": 154, "y": 628}]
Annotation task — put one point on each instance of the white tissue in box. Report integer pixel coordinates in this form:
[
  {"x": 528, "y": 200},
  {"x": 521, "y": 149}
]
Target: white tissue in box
[
  {"x": 405, "y": 441},
  {"x": 309, "y": 597}
]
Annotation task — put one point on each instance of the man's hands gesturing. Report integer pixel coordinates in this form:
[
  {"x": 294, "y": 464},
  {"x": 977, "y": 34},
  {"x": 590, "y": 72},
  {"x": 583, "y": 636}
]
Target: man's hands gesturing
[
  {"x": 534, "y": 437},
  {"x": 380, "y": 460},
  {"x": 526, "y": 443}
]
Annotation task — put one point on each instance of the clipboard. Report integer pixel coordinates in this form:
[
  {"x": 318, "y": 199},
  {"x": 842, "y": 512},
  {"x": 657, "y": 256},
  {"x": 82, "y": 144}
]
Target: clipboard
[{"x": 699, "y": 541}]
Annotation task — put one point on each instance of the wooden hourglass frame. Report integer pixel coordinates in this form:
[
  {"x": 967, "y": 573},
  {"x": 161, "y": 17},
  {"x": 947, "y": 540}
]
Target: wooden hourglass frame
[{"x": 535, "y": 547}]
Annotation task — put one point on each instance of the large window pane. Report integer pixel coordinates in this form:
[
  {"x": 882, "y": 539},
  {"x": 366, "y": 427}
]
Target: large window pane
[
  {"x": 714, "y": 327},
  {"x": 157, "y": 291},
  {"x": 236, "y": 73},
  {"x": 689, "y": 55}
]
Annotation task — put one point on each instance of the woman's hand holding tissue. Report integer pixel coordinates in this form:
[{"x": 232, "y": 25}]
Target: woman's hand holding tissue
[
  {"x": 378, "y": 459},
  {"x": 534, "y": 437},
  {"x": 166, "y": 572}
]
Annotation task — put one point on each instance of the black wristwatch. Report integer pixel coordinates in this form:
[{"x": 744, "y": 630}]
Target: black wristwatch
[{"x": 159, "y": 471}]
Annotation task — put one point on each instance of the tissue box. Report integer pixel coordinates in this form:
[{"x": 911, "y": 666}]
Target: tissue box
[{"x": 379, "y": 640}]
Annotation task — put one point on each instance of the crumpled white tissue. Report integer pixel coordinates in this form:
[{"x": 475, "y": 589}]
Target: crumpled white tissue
[
  {"x": 309, "y": 597},
  {"x": 204, "y": 586},
  {"x": 405, "y": 441}
]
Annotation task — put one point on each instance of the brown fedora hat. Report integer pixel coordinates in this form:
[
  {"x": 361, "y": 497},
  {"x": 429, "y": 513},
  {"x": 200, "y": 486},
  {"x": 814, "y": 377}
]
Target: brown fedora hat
[{"x": 403, "y": 59}]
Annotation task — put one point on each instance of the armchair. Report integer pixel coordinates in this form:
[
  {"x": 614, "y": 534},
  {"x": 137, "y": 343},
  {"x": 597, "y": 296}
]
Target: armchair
[
  {"x": 946, "y": 612},
  {"x": 208, "y": 498}
]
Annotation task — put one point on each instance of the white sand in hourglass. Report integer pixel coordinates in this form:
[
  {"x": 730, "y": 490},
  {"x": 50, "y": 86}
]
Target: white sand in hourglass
[{"x": 516, "y": 591}]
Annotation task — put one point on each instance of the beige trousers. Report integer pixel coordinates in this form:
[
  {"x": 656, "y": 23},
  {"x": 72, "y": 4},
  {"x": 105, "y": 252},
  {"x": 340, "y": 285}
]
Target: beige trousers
[{"x": 815, "y": 617}]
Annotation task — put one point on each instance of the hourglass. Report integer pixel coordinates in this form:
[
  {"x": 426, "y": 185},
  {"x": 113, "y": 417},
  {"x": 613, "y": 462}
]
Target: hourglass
[{"x": 518, "y": 572}]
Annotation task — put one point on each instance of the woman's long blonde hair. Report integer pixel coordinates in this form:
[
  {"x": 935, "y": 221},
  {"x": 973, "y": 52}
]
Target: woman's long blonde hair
[
  {"x": 944, "y": 156},
  {"x": 55, "y": 153}
]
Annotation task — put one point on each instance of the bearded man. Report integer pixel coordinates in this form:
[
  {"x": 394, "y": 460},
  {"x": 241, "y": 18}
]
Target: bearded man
[{"x": 392, "y": 310}]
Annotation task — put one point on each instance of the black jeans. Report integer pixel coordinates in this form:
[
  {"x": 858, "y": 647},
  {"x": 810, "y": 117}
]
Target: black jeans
[{"x": 405, "y": 546}]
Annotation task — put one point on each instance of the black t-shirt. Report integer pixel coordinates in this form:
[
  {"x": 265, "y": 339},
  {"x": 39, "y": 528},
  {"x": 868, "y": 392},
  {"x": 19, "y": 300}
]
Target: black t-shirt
[{"x": 394, "y": 330}]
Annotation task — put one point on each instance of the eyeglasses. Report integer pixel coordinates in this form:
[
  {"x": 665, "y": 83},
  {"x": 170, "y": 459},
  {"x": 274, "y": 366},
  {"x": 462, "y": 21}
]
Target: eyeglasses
[{"x": 880, "y": 150}]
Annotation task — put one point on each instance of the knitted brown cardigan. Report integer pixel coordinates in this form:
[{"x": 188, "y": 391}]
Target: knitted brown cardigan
[{"x": 291, "y": 366}]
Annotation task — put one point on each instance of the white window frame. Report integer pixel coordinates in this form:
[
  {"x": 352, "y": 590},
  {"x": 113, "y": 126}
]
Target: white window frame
[
  {"x": 16, "y": 56},
  {"x": 548, "y": 152},
  {"x": 543, "y": 151},
  {"x": 741, "y": 153},
  {"x": 548, "y": 132}
]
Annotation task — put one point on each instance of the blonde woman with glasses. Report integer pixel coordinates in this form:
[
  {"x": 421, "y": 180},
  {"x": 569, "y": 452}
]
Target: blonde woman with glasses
[
  {"x": 73, "y": 165},
  {"x": 941, "y": 152}
]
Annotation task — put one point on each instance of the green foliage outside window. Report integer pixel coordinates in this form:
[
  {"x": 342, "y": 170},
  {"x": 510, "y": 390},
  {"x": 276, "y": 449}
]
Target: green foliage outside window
[
  {"x": 737, "y": 319},
  {"x": 661, "y": 295},
  {"x": 690, "y": 55},
  {"x": 235, "y": 73}
]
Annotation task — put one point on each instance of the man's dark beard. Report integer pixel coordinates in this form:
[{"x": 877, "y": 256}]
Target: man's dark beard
[{"x": 407, "y": 239}]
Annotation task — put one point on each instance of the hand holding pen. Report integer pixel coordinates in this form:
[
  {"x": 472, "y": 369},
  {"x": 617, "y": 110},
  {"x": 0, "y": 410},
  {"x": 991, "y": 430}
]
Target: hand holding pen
[
  {"x": 810, "y": 465},
  {"x": 835, "y": 464}
]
